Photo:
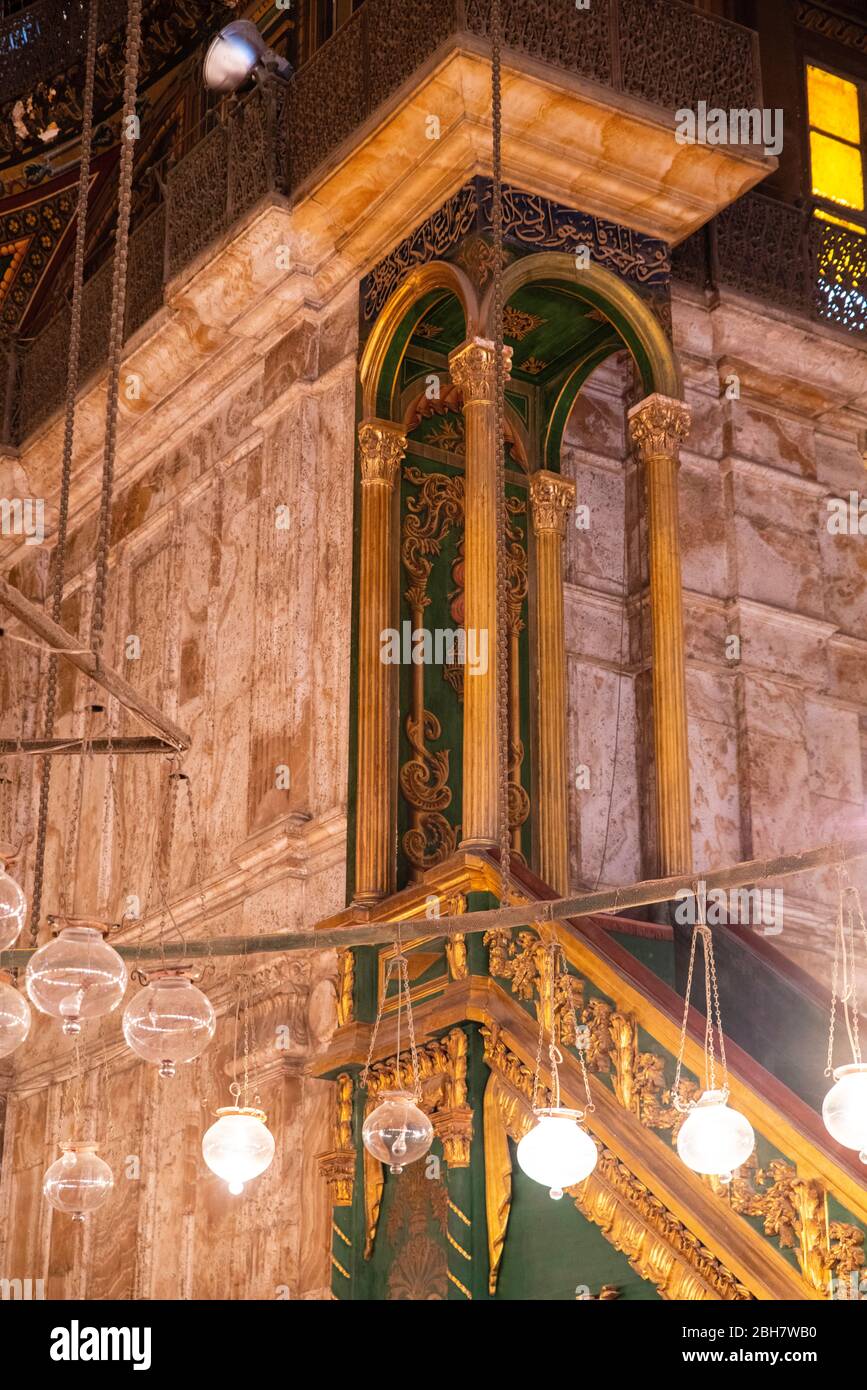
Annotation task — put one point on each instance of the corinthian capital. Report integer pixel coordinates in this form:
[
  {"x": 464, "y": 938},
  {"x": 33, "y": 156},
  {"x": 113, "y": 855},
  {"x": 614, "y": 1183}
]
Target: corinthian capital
[
  {"x": 657, "y": 425},
  {"x": 552, "y": 497},
  {"x": 382, "y": 445},
  {"x": 472, "y": 369}
]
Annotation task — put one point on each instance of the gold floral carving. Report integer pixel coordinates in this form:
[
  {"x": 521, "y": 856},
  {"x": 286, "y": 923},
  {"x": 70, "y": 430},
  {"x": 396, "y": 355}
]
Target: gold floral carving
[
  {"x": 338, "y": 1166},
  {"x": 456, "y": 945},
  {"x": 345, "y": 986},
  {"x": 552, "y": 499},
  {"x": 657, "y": 425},
  {"x": 525, "y": 961}
]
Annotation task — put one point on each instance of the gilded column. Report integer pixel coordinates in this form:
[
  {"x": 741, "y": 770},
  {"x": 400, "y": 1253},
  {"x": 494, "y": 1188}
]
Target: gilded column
[
  {"x": 382, "y": 445},
  {"x": 552, "y": 498},
  {"x": 472, "y": 369},
  {"x": 657, "y": 425}
]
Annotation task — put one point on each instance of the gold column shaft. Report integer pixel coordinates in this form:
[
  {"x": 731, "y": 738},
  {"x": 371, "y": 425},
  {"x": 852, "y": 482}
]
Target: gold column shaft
[
  {"x": 552, "y": 498},
  {"x": 472, "y": 369},
  {"x": 656, "y": 427},
  {"x": 382, "y": 445}
]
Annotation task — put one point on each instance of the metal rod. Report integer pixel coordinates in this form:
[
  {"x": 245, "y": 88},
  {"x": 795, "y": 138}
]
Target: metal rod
[
  {"x": 656, "y": 890},
  {"x": 56, "y": 637},
  {"x": 53, "y": 746}
]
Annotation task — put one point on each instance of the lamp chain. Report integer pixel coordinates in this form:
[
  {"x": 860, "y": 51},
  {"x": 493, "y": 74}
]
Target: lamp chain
[
  {"x": 844, "y": 974},
  {"x": 398, "y": 963},
  {"x": 72, "y": 375},
  {"x": 502, "y": 604},
  {"x": 712, "y": 1012}
]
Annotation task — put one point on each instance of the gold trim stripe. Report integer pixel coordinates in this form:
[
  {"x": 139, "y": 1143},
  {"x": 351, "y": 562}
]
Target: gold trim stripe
[
  {"x": 458, "y": 1285},
  {"x": 343, "y": 1236},
  {"x": 460, "y": 1249},
  {"x": 457, "y": 1211},
  {"x": 338, "y": 1265}
]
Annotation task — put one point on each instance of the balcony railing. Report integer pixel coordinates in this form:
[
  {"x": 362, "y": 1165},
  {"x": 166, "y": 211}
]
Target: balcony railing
[
  {"x": 783, "y": 255},
  {"x": 660, "y": 52}
]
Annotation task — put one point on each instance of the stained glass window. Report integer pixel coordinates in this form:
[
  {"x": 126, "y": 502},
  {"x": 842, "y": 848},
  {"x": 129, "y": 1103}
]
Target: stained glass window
[{"x": 836, "y": 162}]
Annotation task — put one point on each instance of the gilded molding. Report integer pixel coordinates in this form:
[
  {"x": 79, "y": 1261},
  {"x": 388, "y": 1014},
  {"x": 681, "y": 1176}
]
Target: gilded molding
[
  {"x": 552, "y": 498},
  {"x": 338, "y": 1166},
  {"x": 345, "y": 986}
]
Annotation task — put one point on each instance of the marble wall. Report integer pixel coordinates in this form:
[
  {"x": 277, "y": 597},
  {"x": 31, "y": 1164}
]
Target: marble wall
[
  {"x": 774, "y": 607},
  {"x": 231, "y": 565}
]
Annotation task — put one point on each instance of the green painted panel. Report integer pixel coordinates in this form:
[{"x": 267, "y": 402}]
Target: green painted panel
[{"x": 552, "y": 1250}]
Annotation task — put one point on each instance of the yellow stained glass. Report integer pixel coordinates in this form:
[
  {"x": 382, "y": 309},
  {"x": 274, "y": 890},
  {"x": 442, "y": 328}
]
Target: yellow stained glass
[
  {"x": 839, "y": 221},
  {"x": 833, "y": 104},
  {"x": 837, "y": 172}
]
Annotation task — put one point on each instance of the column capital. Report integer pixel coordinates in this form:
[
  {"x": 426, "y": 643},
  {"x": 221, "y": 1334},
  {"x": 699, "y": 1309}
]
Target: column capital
[
  {"x": 552, "y": 497},
  {"x": 472, "y": 369},
  {"x": 382, "y": 445},
  {"x": 657, "y": 425}
]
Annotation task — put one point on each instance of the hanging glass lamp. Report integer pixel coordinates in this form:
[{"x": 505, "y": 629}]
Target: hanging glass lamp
[
  {"x": 713, "y": 1138},
  {"x": 79, "y": 1182},
  {"x": 77, "y": 975},
  {"x": 397, "y": 1131},
  {"x": 170, "y": 1021},
  {"x": 13, "y": 907},
  {"x": 15, "y": 1017},
  {"x": 557, "y": 1152},
  {"x": 238, "y": 1146}
]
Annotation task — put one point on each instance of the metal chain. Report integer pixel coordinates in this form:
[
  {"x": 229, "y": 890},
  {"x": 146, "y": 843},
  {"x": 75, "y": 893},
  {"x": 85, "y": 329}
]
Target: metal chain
[
  {"x": 118, "y": 310},
  {"x": 70, "y": 849},
  {"x": 397, "y": 962},
  {"x": 72, "y": 373},
  {"x": 835, "y": 973},
  {"x": 573, "y": 1014},
  {"x": 675, "y": 1090},
  {"x": 712, "y": 1014},
  {"x": 502, "y": 607}
]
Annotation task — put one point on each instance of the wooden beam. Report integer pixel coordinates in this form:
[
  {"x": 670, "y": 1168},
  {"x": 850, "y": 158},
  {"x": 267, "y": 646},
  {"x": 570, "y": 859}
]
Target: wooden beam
[
  {"x": 61, "y": 641},
  {"x": 657, "y": 890}
]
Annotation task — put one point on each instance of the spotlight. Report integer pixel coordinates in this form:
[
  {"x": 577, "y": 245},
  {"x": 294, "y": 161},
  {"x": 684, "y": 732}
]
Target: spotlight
[{"x": 238, "y": 53}]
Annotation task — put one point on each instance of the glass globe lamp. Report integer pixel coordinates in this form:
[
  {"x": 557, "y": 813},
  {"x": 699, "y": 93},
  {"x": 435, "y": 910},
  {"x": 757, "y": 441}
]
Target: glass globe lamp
[
  {"x": 170, "y": 1021},
  {"x": 557, "y": 1152},
  {"x": 238, "y": 1146},
  {"x": 844, "y": 1108},
  {"x": 397, "y": 1132},
  {"x": 76, "y": 976},
  {"x": 13, "y": 908},
  {"x": 15, "y": 1016},
  {"x": 714, "y": 1139},
  {"x": 78, "y": 1182}
]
